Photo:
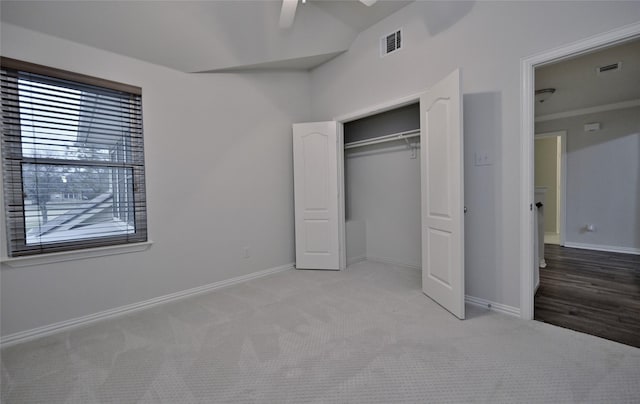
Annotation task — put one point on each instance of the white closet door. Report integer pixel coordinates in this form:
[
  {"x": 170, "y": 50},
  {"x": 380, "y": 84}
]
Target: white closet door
[
  {"x": 442, "y": 194},
  {"x": 315, "y": 168}
]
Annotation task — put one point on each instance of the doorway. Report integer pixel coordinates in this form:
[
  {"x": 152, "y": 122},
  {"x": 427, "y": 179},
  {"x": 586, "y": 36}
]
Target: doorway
[
  {"x": 352, "y": 230},
  {"x": 441, "y": 189},
  {"x": 382, "y": 187},
  {"x": 550, "y": 179},
  {"x": 594, "y": 215},
  {"x": 318, "y": 161},
  {"x": 527, "y": 67}
]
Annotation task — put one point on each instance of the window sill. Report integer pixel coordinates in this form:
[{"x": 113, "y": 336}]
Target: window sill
[{"x": 18, "y": 262}]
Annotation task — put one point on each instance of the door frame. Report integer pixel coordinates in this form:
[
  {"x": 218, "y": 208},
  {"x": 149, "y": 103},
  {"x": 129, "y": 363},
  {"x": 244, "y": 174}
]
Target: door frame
[
  {"x": 527, "y": 119},
  {"x": 342, "y": 119},
  {"x": 561, "y": 208}
]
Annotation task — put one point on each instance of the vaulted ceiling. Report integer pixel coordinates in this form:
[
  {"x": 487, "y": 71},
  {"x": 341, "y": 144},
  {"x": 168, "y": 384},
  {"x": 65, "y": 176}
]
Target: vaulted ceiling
[{"x": 205, "y": 36}]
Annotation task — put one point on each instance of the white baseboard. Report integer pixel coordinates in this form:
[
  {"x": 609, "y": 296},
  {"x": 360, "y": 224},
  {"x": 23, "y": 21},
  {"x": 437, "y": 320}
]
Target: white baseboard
[
  {"x": 487, "y": 304},
  {"x": 24, "y": 336},
  {"x": 606, "y": 248},
  {"x": 392, "y": 262},
  {"x": 353, "y": 260}
]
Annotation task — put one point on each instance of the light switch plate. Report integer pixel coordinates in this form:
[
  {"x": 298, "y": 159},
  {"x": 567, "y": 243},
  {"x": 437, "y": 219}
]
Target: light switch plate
[{"x": 482, "y": 159}]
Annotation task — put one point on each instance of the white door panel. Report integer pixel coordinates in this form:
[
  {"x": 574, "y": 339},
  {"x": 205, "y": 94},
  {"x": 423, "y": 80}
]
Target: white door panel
[
  {"x": 443, "y": 194},
  {"x": 315, "y": 167}
]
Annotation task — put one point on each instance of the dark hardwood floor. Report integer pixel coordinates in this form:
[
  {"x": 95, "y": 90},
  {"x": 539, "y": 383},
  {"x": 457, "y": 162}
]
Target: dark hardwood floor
[{"x": 594, "y": 292}]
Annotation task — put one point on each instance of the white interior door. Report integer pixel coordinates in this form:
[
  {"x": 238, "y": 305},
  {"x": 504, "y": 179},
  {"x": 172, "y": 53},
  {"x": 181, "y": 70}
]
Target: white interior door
[
  {"x": 315, "y": 169},
  {"x": 443, "y": 194}
]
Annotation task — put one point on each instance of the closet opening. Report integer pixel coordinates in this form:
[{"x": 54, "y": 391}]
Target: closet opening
[
  {"x": 401, "y": 207},
  {"x": 382, "y": 191}
]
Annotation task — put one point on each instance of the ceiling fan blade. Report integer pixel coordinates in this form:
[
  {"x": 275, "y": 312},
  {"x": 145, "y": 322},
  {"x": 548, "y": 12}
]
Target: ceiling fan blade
[
  {"x": 287, "y": 13},
  {"x": 368, "y": 3}
]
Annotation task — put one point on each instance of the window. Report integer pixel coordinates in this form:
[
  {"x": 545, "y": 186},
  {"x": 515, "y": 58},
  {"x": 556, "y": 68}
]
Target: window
[{"x": 73, "y": 160}]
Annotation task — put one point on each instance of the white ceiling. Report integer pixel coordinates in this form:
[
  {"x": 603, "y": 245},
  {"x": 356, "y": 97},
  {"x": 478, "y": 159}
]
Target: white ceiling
[
  {"x": 579, "y": 86},
  {"x": 357, "y": 15},
  {"x": 203, "y": 36}
]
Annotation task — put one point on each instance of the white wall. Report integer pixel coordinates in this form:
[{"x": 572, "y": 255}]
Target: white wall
[
  {"x": 219, "y": 177},
  {"x": 487, "y": 40},
  {"x": 383, "y": 191},
  {"x": 603, "y": 178}
]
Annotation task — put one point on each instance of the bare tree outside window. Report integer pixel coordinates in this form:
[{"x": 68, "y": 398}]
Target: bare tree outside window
[{"x": 75, "y": 154}]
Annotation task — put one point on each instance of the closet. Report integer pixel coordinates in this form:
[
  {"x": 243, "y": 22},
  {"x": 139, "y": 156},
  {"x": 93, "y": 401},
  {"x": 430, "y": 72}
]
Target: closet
[
  {"x": 382, "y": 187},
  {"x": 364, "y": 189}
]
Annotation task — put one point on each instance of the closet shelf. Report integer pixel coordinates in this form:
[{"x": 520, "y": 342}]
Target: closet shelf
[{"x": 383, "y": 139}]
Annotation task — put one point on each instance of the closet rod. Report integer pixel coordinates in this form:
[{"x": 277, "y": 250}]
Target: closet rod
[{"x": 384, "y": 139}]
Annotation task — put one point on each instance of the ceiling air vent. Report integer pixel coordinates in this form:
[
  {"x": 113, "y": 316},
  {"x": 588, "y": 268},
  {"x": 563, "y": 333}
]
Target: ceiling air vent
[
  {"x": 391, "y": 43},
  {"x": 614, "y": 67}
]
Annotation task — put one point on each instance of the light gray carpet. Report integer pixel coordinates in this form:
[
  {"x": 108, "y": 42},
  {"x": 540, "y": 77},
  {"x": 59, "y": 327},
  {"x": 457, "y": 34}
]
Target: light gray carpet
[{"x": 366, "y": 335}]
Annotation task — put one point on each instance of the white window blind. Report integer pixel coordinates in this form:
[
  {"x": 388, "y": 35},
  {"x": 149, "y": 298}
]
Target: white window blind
[{"x": 73, "y": 160}]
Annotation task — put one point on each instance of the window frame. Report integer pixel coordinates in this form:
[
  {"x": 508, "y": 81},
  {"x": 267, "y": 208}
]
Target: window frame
[{"x": 13, "y": 161}]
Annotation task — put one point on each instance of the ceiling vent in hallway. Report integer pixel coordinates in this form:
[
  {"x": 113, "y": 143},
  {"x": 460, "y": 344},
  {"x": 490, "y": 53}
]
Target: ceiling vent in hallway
[
  {"x": 391, "y": 43},
  {"x": 614, "y": 67}
]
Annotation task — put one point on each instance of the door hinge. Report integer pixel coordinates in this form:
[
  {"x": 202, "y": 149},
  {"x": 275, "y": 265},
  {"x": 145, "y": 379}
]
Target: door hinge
[
  {"x": 465, "y": 209},
  {"x": 531, "y": 207}
]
